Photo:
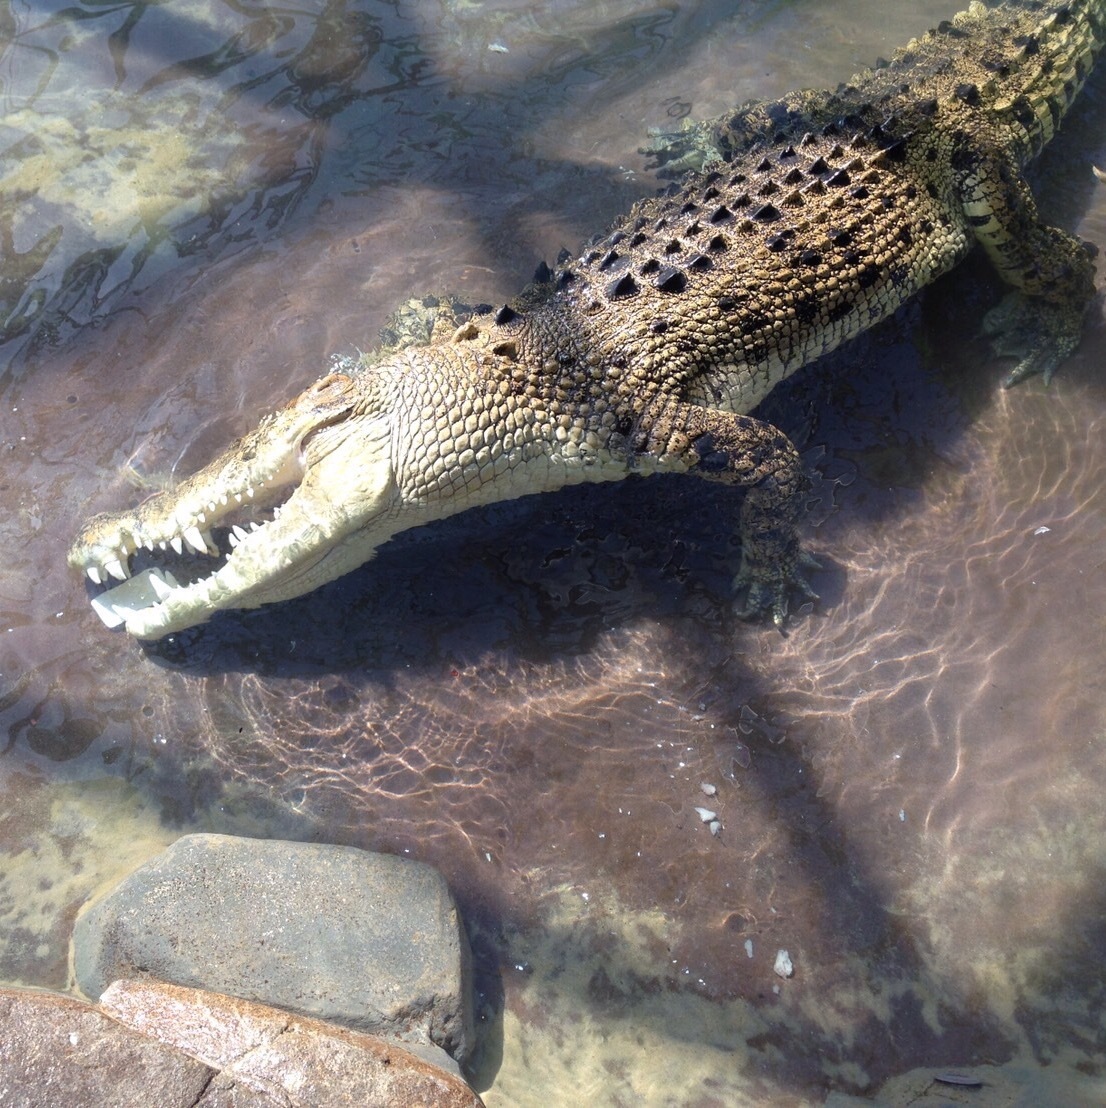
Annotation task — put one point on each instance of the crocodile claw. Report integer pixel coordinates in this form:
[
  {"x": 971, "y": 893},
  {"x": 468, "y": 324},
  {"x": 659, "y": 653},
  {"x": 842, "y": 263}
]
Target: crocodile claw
[
  {"x": 1039, "y": 333},
  {"x": 770, "y": 587}
]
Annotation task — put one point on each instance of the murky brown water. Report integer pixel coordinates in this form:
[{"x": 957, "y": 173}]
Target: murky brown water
[{"x": 210, "y": 200}]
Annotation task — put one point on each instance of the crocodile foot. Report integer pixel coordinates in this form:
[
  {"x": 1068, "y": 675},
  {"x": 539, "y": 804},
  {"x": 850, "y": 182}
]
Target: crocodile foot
[
  {"x": 1039, "y": 333},
  {"x": 771, "y": 583}
]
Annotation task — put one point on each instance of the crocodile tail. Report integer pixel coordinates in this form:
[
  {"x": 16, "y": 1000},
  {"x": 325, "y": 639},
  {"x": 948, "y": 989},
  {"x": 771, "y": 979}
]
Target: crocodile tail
[{"x": 1055, "y": 49}]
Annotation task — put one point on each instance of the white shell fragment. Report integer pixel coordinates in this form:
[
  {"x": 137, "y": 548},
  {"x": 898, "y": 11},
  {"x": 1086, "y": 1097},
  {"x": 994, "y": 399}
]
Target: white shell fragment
[
  {"x": 749, "y": 948},
  {"x": 706, "y": 815},
  {"x": 715, "y": 827},
  {"x": 708, "y": 788},
  {"x": 783, "y": 966}
]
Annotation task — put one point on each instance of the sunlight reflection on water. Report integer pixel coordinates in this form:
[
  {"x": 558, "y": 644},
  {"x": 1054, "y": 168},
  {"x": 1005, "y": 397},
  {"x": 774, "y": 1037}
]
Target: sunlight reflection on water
[{"x": 203, "y": 202}]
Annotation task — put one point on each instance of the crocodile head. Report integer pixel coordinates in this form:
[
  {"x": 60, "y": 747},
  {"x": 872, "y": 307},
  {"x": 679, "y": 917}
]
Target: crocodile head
[{"x": 260, "y": 523}]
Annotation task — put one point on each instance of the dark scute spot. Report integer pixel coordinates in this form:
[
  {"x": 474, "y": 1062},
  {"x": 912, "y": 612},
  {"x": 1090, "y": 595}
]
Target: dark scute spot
[
  {"x": 839, "y": 179},
  {"x": 638, "y": 239},
  {"x": 712, "y": 177},
  {"x": 741, "y": 201},
  {"x": 689, "y": 208},
  {"x": 931, "y": 188},
  {"x": 711, "y": 458},
  {"x": 718, "y": 245},
  {"x": 841, "y": 237},
  {"x": 651, "y": 266},
  {"x": 624, "y": 286},
  {"x": 670, "y": 280},
  {"x": 927, "y": 227},
  {"x": 806, "y": 311},
  {"x": 868, "y": 276},
  {"x": 839, "y": 310},
  {"x": 543, "y": 274},
  {"x": 609, "y": 259},
  {"x": 661, "y": 224},
  {"x": 928, "y": 106},
  {"x": 766, "y": 213},
  {"x": 859, "y": 193},
  {"x": 776, "y": 243},
  {"x": 831, "y": 129},
  {"x": 720, "y": 214},
  {"x": 906, "y": 236},
  {"x": 911, "y": 192},
  {"x": 737, "y": 179},
  {"x": 673, "y": 247},
  {"x": 794, "y": 177},
  {"x": 967, "y": 92},
  {"x": 566, "y": 278},
  {"x": 505, "y": 315},
  {"x": 701, "y": 263},
  {"x": 808, "y": 139},
  {"x": 851, "y": 257},
  {"x": 1063, "y": 15},
  {"x": 769, "y": 188},
  {"x": 591, "y": 257},
  {"x": 693, "y": 228},
  {"x": 508, "y": 349},
  {"x": 1029, "y": 43},
  {"x": 764, "y": 166},
  {"x": 726, "y": 303},
  {"x": 810, "y": 257},
  {"x": 640, "y": 223},
  {"x": 658, "y": 326},
  {"x": 1024, "y": 113},
  {"x": 711, "y": 193},
  {"x": 896, "y": 152},
  {"x": 950, "y": 29},
  {"x": 819, "y": 165},
  {"x": 787, "y": 152}
]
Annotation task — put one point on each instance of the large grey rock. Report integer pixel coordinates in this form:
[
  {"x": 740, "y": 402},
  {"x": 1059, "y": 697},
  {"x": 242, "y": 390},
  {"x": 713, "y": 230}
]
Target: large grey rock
[
  {"x": 57, "y": 1050},
  {"x": 367, "y": 940},
  {"x": 269, "y": 1058}
]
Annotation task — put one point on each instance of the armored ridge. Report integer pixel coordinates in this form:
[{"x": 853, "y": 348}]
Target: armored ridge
[{"x": 646, "y": 354}]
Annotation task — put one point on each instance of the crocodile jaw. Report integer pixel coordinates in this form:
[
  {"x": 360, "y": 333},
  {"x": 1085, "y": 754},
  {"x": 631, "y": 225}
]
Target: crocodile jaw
[{"x": 318, "y": 442}]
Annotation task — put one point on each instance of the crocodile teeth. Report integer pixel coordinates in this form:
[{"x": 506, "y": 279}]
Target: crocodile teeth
[
  {"x": 161, "y": 587},
  {"x": 94, "y": 575},
  {"x": 195, "y": 540},
  {"x": 239, "y": 532},
  {"x": 116, "y": 568},
  {"x": 177, "y": 543}
]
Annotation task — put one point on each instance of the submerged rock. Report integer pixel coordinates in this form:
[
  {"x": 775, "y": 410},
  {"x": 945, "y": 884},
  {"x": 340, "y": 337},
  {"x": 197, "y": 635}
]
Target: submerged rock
[{"x": 367, "y": 940}]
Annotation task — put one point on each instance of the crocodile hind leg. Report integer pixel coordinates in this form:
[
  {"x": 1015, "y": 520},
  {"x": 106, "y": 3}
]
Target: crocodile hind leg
[
  {"x": 751, "y": 454},
  {"x": 1050, "y": 272}
]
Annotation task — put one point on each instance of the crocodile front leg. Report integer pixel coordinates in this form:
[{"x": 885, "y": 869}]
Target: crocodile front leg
[
  {"x": 751, "y": 454},
  {"x": 1050, "y": 272}
]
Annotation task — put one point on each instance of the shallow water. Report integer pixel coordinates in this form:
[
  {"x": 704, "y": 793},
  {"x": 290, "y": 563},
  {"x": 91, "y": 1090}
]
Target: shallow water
[{"x": 210, "y": 200}]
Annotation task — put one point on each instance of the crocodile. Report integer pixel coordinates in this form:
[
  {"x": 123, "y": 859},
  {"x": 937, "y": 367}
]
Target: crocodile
[{"x": 820, "y": 214}]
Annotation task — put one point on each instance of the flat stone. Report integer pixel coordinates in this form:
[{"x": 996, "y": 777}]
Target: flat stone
[
  {"x": 266, "y": 1056},
  {"x": 367, "y": 940},
  {"x": 56, "y": 1049}
]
